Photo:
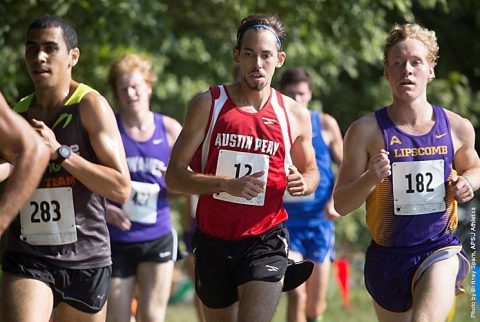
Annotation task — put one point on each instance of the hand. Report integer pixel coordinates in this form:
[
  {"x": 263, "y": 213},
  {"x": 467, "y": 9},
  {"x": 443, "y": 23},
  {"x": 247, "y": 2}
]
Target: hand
[
  {"x": 379, "y": 166},
  {"x": 296, "y": 185},
  {"x": 247, "y": 187},
  {"x": 48, "y": 137},
  {"x": 116, "y": 216},
  {"x": 462, "y": 190}
]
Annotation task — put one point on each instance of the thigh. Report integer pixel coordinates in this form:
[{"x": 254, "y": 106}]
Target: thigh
[
  {"x": 296, "y": 256},
  {"x": 154, "y": 282},
  {"x": 384, "y": 315},
  {"x": 434, "y": 293},
  {"x": 317, "y": 284},
  {"x": 24, "y": 299},
  {"x": 227, "y": 314},
  {"x": 120, "y": 298},
  {"x": 66, "y": 313},
  {"x": 258, "y": 300}
]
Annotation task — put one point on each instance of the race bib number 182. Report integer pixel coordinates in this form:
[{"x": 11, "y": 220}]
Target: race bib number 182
[{"x": 418, "y": 187}]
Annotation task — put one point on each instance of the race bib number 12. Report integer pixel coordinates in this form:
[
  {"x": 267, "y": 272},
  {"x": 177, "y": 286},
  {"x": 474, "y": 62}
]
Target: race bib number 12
[{"x": 236, "y": 164}]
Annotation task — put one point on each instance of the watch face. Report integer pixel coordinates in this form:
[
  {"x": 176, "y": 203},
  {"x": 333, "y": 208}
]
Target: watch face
[{"x": 64, "y": 151}]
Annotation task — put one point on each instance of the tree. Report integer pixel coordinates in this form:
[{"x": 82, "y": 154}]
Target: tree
[{"x": 190, "y": 44}]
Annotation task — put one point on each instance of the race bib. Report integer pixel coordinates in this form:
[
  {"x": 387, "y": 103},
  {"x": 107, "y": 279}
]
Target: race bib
[
  {"x": 141, "y": 205},
  {"x": 418, "y": 187},
  {"x": 48, "y": 217},
  {"x": 236, "y": 164}
]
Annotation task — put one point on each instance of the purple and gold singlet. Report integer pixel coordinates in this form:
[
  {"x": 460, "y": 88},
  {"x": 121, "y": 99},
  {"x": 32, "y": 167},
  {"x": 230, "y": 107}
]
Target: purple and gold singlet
[{"x": 414, "y": 206}]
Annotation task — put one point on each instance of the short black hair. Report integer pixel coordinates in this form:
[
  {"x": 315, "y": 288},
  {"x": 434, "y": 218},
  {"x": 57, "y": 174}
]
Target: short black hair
[
  {"x": 272, "y": 21},
  {"x": 295, "y": 75},
  {"x": 51, "y": 21}
]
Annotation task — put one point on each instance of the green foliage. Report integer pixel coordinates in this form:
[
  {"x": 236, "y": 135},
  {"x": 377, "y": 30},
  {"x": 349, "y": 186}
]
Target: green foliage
[{"x": 190, "y": 44}]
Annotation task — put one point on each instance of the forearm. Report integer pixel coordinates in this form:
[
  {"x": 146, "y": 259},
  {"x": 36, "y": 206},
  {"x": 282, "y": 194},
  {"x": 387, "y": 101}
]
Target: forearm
[
  {"x": 24, "y": 178},
  {"x": 473, "y": 177},
  {"x": 185, "y": 181},
  {"x": 349, "y": 196},
  {"x": 312, "y": 178},
  {"x": 103, "y": 180}
]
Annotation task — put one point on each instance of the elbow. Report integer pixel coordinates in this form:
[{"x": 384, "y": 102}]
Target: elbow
[
  {"x": 170, "y": 180},
  {"x": 122, "y": 193},
  {"x": 315, "y": 180},
  {"x": 40, "y": 153},
  {"x": 340, "y": 206}
]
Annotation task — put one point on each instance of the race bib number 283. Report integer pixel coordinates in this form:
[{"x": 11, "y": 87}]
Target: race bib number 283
[{"x": 48, "y": 217}]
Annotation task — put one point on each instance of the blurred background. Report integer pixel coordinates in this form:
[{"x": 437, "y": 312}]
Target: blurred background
[{"x": 190, "y": 43}]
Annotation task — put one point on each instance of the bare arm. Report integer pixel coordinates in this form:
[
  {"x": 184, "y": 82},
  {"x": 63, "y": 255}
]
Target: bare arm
[
  {"x": 304, "y": 177},
  {"x": 181, "y": 179},
  {"x": 359, "y": 173},
  {"x": 467, "y": 162},
  {"x": 28, "y": 166},
  {"x": 173, "y": 129},
  {"x": 110, "y": 178},
  {"x": 6, "y": 170},
  {"x": 333, "y": 138}
]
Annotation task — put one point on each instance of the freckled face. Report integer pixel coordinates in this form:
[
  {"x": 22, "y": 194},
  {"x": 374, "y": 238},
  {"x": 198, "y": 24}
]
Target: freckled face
[
  {"x": 407, "y": 69},
  {"x": 133, "y": 91}
]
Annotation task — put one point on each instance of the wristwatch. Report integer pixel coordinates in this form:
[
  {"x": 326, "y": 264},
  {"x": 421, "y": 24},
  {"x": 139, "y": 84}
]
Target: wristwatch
[{"x": 64, "y": 152}]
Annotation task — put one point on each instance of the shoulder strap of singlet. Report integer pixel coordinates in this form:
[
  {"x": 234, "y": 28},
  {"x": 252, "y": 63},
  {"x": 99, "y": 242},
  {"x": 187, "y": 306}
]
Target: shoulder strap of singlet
[
  {"x": 219, "y": 97},
  {"x": 79, "y": 93},
  {"x": 23, "y": 104},
  {"x": 76, "y": 97},
  {"x": 316, "y": 124}
]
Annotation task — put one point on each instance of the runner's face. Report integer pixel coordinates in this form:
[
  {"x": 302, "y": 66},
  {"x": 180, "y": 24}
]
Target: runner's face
[
  {"x": 300, "y": 92},
  {"x": 258, "y": 58},
  {"x": 408, "y": 70},
  {"x": 47, "y": 58},
  {"x": 134, "y": 92}
]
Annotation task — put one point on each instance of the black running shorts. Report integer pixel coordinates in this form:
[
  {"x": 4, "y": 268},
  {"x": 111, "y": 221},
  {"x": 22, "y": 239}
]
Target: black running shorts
[
  {"x": 221, "y": 266},
  {"x": 84, "y": 289}
]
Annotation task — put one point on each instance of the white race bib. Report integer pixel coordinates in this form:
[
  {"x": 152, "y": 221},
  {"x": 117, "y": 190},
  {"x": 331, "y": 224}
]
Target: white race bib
[
  {"x": 48, "y": 217},
  {"x": 418, "y": 187},
  {"x": 141, "y": 205},
  {"x": 236, "y": 164}
]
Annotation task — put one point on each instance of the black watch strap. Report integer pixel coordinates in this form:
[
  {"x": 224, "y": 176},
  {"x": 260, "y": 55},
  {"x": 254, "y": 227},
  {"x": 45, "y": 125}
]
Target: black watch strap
[{"x": 64, "y": 152}]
